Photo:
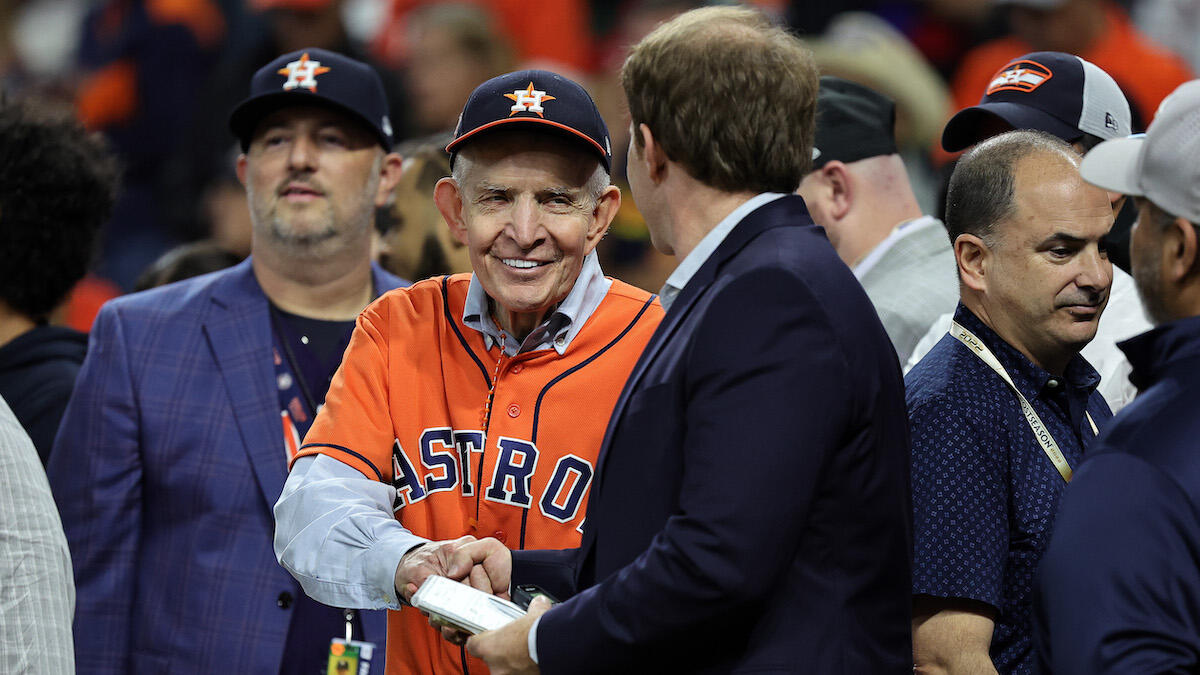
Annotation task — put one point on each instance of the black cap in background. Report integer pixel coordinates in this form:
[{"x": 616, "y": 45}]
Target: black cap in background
[{"x": 853, "y": 123}]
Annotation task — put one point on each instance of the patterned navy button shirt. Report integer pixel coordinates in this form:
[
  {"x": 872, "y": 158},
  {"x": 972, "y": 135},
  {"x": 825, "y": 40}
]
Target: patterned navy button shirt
[{"x": 984, "y": 492}]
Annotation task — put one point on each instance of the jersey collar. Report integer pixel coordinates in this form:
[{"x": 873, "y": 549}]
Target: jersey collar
[{"x": 558, "y": 330}]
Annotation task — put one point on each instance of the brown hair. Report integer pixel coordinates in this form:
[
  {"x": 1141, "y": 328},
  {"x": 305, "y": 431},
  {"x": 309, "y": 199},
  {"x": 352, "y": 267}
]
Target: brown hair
[{"x": 729, "y": 96}]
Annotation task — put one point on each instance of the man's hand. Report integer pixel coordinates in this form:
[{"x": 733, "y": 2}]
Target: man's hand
[
  {"x": 487, "y": 564},
  {"x": 506, "y": 650},
  {"x": 490, "y": 564},
  {"x": 436, "y": 557},
  {"x": 951, "y": 636}
]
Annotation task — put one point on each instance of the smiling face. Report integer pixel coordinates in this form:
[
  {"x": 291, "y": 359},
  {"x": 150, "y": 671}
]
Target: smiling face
[
  {"x": 529, "y": 208},
  {"x": 312, "y": 176},
  {"x": 1048, "y": 275}
]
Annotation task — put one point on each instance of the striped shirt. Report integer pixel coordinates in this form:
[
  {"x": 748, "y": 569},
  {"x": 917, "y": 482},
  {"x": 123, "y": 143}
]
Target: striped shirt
[{"x": 37, "y": 589}]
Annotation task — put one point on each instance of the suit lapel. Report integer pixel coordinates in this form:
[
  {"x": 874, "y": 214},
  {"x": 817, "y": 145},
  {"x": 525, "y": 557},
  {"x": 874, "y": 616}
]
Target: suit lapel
[
  {"x": 785, "y": 210},
  {"x": 666, "y": 328},
  {"x": 788, "y": 210},
  {"x": 239, "y": 334}
]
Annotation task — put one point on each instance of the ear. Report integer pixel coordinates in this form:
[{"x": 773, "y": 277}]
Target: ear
[
  {"x": 841, "y": 188},
  {"x": 448, "y": 197},
  {"x": 1180, "y": 251},
  {"x": 389, "y": 175},
  {"x": 972, "y": 256},
  {"x": 602, "y": 216},
  {"x": 240, "y": 167},
  {"x": 653, "y": 155}
]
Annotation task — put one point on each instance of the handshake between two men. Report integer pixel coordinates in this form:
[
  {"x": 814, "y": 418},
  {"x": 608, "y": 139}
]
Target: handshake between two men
[
  {"x": 486, "y": 565},
  {"x": 741, "y": 467}
]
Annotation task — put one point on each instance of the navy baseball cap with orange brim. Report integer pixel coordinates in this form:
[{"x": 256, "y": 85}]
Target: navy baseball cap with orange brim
[
  {"x": 314, "y": 77},
  {"x": 536, "y": 100}
]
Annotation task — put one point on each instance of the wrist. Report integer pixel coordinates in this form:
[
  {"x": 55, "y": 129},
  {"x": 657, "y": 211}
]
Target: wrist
[{"x": 397, "y": 583}]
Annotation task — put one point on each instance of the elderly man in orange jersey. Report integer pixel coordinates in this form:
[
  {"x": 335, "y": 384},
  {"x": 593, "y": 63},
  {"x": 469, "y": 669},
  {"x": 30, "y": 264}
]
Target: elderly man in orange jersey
[{"x": 474, "y": 405}]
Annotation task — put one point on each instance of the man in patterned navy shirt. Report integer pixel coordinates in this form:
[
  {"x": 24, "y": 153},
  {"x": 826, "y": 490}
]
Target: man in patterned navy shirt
[{"x": 1004, "y": 406}]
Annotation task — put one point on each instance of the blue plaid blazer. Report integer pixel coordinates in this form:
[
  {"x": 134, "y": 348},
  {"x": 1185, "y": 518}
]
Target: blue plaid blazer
[{"x": 168, "y": 462}]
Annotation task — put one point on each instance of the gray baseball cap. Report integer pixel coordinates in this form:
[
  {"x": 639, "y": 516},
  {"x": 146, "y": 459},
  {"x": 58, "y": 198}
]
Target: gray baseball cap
[{"x": 1162, "y": 164}]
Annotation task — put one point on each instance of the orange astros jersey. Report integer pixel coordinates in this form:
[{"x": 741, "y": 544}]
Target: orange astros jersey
[{"x": 474, "y": 441}]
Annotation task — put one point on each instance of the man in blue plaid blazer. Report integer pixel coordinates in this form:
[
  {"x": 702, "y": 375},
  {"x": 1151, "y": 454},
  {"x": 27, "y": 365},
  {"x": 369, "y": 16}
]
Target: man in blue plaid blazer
[{"x": 175, "y": 444}]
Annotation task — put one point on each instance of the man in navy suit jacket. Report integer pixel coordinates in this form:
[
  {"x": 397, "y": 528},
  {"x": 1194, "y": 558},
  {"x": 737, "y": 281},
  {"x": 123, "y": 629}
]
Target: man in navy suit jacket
[
  {"x": 174, "y": 446},
  {"x": 750, "y": 509}
]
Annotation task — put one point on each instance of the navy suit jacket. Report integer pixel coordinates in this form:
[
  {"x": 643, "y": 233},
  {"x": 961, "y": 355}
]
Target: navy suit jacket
[
  {"x": 168, "y": 462},
  {"x": 750, "y": 511}
]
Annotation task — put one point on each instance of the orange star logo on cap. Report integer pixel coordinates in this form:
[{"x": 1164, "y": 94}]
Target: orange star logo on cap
[
  {"x": 303, "y": 73},
  {"x": 528, "y": 100}
]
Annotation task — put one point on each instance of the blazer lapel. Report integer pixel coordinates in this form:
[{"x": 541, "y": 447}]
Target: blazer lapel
[
  {"x": 788, "y": 210},
  {"x": 785, "y": 211},
  {"x": 666, "y": 328},
  {"x": 239, "y": 334}
]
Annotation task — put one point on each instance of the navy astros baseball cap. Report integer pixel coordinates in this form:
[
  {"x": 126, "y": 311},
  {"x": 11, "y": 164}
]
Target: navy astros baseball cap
[
  {"x": 853, "y": 123},
  {"x": 1054, "y": 92},
  {"x": 314, "y": 77},
  {"x": 538, "y": 100}
]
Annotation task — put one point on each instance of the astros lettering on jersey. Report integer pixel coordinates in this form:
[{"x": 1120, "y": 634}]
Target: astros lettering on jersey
[{"x": 475, "y": 441}]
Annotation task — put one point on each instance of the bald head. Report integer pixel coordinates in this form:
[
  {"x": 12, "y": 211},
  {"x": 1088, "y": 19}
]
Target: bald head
[{"x": 859, "y": 203}]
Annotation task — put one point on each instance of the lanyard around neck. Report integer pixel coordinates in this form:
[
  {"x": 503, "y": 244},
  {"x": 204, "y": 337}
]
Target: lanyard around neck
[
  {"x": 284, "y": 338},
  {"x": 1040, "y": 432}
]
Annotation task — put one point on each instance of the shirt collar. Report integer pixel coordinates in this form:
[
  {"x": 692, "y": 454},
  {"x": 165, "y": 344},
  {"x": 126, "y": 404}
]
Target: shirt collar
[
  {"x": 558, "y": 330},
  {"x": 695, "y": 260},
  {"x": 1152, "y": 353},
  {"x": 901, "y": 231},
  {"x": 1032, "y": 380}
]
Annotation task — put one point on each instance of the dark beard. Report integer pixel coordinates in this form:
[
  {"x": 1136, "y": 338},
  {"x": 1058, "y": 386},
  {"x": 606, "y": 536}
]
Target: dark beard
[{"x": 303, "y": 242}]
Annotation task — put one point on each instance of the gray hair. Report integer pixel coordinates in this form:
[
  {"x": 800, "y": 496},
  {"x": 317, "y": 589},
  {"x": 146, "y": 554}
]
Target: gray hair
[{"x": 594, "y": 188}]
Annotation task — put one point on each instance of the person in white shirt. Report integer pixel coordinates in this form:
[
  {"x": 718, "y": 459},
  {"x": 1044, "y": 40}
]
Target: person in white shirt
[{"x": 859, "y": 192}]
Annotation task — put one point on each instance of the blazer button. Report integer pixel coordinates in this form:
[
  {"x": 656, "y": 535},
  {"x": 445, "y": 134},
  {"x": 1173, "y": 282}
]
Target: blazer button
[{"x": 284, "y": 600}]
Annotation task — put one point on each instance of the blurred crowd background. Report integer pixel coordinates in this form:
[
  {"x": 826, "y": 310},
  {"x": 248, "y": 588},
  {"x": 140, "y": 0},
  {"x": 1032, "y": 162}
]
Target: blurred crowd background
[{"x": 159, "y": 77}]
